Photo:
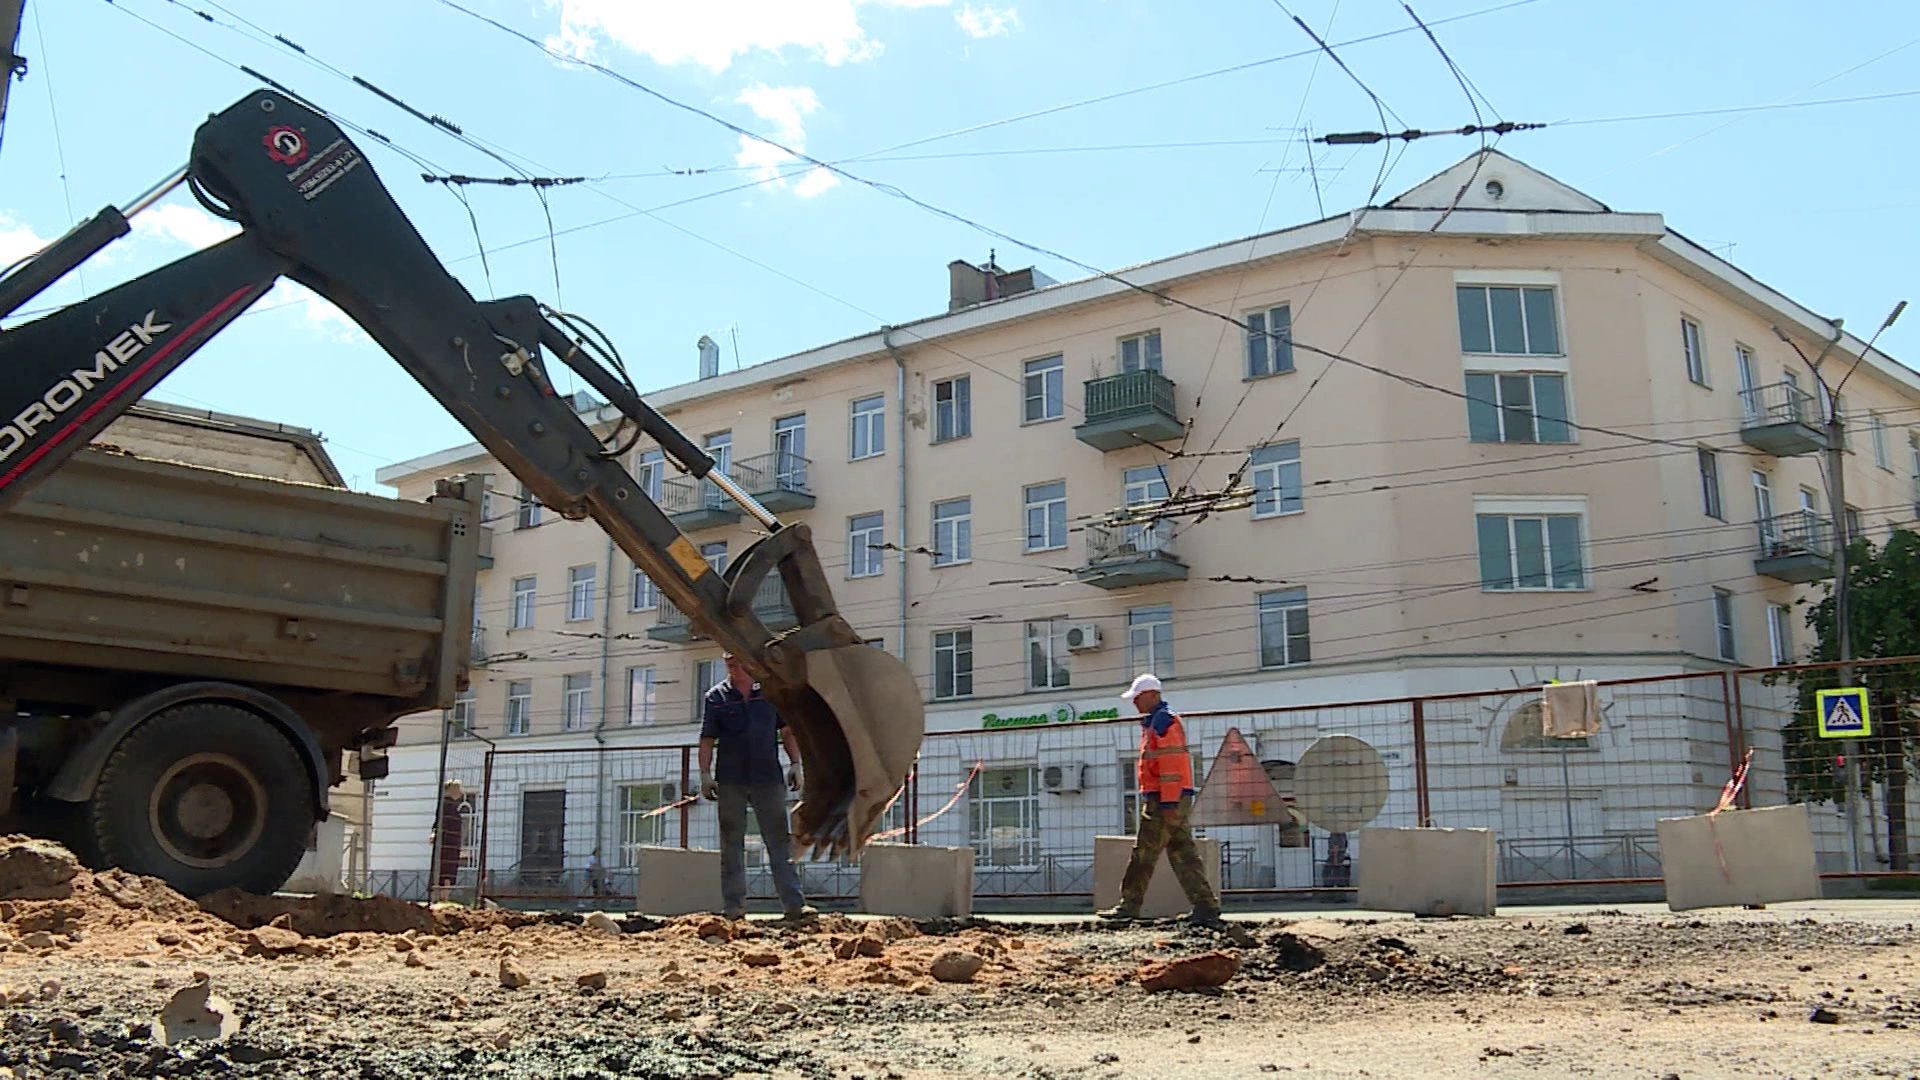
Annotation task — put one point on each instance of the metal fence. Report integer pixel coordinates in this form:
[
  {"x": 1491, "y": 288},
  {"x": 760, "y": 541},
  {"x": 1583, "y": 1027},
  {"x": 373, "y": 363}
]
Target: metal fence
[{"x": 1030, "y": 793}]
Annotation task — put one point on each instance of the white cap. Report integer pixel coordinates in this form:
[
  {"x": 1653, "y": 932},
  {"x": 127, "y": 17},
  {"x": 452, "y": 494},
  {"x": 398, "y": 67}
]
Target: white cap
[{"x": 1141, "y": 685}]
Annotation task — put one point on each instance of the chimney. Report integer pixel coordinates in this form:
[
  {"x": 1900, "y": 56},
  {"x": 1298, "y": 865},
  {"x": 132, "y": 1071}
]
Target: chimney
[
  {"x": 709, "y": 357},
  {"x": 969, "y": 284}
]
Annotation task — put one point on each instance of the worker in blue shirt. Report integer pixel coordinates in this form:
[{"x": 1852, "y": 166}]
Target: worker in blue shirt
[{"x": 741, "y": 728}]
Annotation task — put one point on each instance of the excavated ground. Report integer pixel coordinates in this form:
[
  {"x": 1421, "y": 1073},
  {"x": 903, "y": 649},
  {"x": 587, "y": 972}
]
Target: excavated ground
[{"x": 377, "y": 989}]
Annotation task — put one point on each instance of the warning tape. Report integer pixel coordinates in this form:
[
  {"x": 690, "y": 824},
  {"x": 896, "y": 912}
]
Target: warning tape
[
  {"x": 1731, "y": 791},
  {"x": 922, "y": 823},
  {"x": 657, "y": 811}
]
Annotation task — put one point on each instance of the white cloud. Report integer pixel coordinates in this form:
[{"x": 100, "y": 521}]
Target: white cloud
[
  {"x": 987, "y": 21},
  {"x": 712, "y": 33},
  {"x": 784, "y": 110},
  {"x": 182, "y": 224},
  {"x": 17, "y": 240},
  {"x": 317, "y": 313}
]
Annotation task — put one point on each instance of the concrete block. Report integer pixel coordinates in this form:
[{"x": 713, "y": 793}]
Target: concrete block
[
  {"x": 1426, "y": 871},
  {"x": 1768, "y": 858},
  {"x": 1164, "y": 897},
  {"x": 916, "y": 882},
  {"x": 677, "y": 881}
]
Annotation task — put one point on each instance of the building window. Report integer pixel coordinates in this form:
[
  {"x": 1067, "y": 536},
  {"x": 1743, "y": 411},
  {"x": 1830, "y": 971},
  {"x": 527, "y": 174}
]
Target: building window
[
  {"x": 1150, "y": 640},
  {"x": 644, "y": 595},
  {"x": 1526, "y": 730},
  {"x": 1856, "y": 528},
  {"x": 1284, "y": 639},
  {"x": 707, "y": 674},
  {"x": 1529, "y": 551},
  {"x": 866, "y": 537},
  {"x": 952, "y": 408},
  {"x": 952, "y": 532},
  {"x": 790, "y": 452},
  {"x": 1809, "y": 500},
  {"x": 1696, "y": 355},
  {"x": 869, "y": 434},
  {"x": 641, "y": 687},
  {"x": 1144, "y": 486},
  {"x": 649, "y": 472},
  {"x": 1523, "y": 408},
  {"x": 486, "y": 507},
  {"x": 519, "y": 708},
  {"x": 1913, "y": 451},
  {"x": 1141, "y": 352},
  {"x": 1710, "y": 484},
  {"x": 1723, "y": 623},
  {"x": 526, "y": 513},
  {"x": 715, "y": 554},
  {"x": 1508, "y": 320},
  {"x": 1780, "y": 633},
  {"x": 1748, "y": 374},
  {"x": 952, "y": 664},
  {"x": 580, "y": 580},
  {"x": 1046, "y": 516},
  {"x": 460, "y": 718},
  {"x": 578, "y": 702},
  {"x": 1047, "y": 655},
  {"x": 1044, "y": 381},
  {"x": 639, "y": 825},
  {"x": 1270, "y": 342},
  {"x": 1003, "y": 808},
  {"x": 1276, "y": 480},
  {"x": 523, "y": 603},
  {"x": 1877, "y": 431}
]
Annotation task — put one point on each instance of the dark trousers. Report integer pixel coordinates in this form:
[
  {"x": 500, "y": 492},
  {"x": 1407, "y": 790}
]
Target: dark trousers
[
  {"x": 769, "y": 803},
  {"x": 1166, "y": 830}
]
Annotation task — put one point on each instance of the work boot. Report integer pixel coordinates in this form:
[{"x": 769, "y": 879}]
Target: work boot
[
  {"x": 734, "y": 914},
  {"x": 804, "y": 911},
  {"x": 1119, "y": 913},
  {"x": 1204, "y": 916}
]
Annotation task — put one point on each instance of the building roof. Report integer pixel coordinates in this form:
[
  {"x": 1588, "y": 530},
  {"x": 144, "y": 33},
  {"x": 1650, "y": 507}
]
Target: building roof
[
  {"x": 1497, "y": 196},
  {"x": 305, "y": 440}
]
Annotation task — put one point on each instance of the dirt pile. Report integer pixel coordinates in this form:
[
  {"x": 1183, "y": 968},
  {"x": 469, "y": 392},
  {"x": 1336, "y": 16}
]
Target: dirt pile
[{"x": 326, "y": 916}]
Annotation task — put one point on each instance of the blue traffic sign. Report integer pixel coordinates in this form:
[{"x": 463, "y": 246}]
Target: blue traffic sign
[{"x": 1843, "y": 713}]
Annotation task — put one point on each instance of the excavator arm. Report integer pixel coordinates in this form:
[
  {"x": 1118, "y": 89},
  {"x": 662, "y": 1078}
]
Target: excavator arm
[{"x": 311, "y": 209}]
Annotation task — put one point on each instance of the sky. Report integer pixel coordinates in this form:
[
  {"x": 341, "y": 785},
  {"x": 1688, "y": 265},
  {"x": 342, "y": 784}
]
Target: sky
[{"x": 1817, "y": 201}]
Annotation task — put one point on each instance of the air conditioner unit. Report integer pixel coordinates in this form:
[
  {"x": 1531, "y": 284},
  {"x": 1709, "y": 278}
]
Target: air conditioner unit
[
  {"x": 1060, "y": 778},
  {"x": 1083, "y": 637},
  {"x": 669, "y": 793}
]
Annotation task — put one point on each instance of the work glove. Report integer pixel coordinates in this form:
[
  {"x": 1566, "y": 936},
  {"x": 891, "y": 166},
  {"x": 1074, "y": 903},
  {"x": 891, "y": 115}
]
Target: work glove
[
  {"x": 793, "y": 778},
  {"x": 708, "y": 789}
]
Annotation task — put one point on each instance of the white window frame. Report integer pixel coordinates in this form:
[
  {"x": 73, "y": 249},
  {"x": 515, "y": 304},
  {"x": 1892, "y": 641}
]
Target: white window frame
[
  {"x": 581, "y": 582},
  {"x": 1049, "y": 513},
  {"x": 864, "y": 532},
  {"x": 1710, "y": 490},
  {"x": 1501, "y": 409},
  {"x": 714, "y": 552},
  {"x": 953, "y": 532},
  {"x": 576, "y": 703},
  {"x": 1024, "y": 841},
  {"x": 790, "y": 451},
  {"x": 1522, "y": 280},
  {"x": 955, "y": 646},
  {"x": 1746, "y": 371},
  {"x": 1046, "y": 642},
  {"x": 524, "y": 602},
  {"x": 461, "y": 718},
  {"x": 1726, "y": 640},
  {"x": 1271, "y": 476},
  {"x": 867, "y": 427},
  {"x": 1877, "y": 431},
  {"x": 707, "y": 674},
  {"x": 643, "y": 695},
  {"x": 1150, "y": 640},
  {"x": 643, "y": 594},
  {"x": 519, "y": 707},
  {"x": 1283, "y": 603},
  {"x": 1780, "y": 634},
  {"x": 1693, "y": 349},
  {"x": 526, "y": 512},
  {"x": 1276, "y": 347},
  {"x": 650, "y": 472},
  {"x": 639, "y": 826},
  {"x": 1542, "y": 508},
  {"x": 953, "y": 416},
  {"x": 1043, "y": 387},
  {"x": 1148, "y": 354}
]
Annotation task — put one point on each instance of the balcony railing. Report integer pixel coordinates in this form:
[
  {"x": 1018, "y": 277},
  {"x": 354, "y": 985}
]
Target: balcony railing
[
  {"x": 477, "y": 654},
  {"x": 1119, "y": 556},
  {"x": 778, "y": 480},
  {"x": 1128, "y": 409},
  {"x": 1795, "y": 547},
  {"x": 1782, "y": 419},
  {"x": 698, "y": 504},
  {"x": 770, "y": 604}
]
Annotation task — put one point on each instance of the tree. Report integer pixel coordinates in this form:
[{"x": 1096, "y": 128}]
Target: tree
[{"x": 1884, "y": 617}]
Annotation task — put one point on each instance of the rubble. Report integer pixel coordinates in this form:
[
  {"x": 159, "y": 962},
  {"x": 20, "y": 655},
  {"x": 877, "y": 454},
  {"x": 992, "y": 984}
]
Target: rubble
[
  {"x": 196, "y": 1013},
  {"x": 33, "y": 869},
  {"x": 1187, "y": 973},
  {"x": 955, "y": 966}
]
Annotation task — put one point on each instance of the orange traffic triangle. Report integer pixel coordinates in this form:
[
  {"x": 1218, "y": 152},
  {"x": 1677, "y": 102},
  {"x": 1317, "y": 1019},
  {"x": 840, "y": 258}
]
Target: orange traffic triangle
[{"x": 1237, "y": 790}]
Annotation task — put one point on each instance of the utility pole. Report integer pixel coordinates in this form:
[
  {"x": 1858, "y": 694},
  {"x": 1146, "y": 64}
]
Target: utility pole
[{"x": 12, "y": 64}]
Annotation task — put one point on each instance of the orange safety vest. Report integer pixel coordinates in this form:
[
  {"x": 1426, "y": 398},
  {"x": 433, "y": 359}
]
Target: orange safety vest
[{"x": 1165, "y": 768}]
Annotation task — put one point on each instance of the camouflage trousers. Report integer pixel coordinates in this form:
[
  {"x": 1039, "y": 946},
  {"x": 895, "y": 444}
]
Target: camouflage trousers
[{"x": 1166, "y": 831}]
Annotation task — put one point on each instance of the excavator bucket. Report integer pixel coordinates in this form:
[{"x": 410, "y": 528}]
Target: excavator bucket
[{"x": 859, "y": 721}]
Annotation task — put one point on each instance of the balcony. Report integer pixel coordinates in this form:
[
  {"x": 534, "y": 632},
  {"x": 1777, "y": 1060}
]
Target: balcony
[
  {"x": 693, "y": 505},
  {"x": 477, "y": 652},
  {"x": 1796, "y": 547},
  {"x": 778, "y": 480},
  {"x": 1129, "y": 409},
  {"x": 770, "y": 603},
  {"x": 1122, "y": 556},
  {"x": 1782, "y": 420}
]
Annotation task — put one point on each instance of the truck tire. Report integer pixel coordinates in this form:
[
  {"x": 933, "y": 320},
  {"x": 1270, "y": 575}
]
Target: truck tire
[{"x": 205, "y": 797}]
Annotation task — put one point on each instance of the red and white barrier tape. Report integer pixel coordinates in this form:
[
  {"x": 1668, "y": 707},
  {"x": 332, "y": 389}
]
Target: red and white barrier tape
[{"x": 922, "y": 823}]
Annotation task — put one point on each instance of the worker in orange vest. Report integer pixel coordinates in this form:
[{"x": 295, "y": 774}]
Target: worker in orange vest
[{"x": 1166, "y": 803}]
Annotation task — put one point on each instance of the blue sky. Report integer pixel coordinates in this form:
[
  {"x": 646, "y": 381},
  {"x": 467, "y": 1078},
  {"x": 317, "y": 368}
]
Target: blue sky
[{"x": 1817, "y": 201}]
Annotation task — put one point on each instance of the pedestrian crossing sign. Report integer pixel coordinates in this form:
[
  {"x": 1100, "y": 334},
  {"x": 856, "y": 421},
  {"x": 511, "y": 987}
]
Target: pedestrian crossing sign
[{"x": 1843, "y": 713}]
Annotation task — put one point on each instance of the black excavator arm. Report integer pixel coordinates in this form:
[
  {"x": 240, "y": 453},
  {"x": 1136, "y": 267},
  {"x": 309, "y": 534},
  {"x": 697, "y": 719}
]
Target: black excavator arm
[{"x": 311, "y": 209}]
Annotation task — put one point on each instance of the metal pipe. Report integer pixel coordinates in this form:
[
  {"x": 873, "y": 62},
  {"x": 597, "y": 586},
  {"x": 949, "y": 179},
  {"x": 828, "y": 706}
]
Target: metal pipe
[
  {"x": 600, "y": 792},
  {"x": 155, "y": 193},
  {"x": 1423, "y": 807},
  {"x": 751, "y": 505},
  {"x": 900, "y": 524}
]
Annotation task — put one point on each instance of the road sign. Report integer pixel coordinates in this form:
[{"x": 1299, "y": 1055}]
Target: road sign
[{"x": 1843, "y": 713}]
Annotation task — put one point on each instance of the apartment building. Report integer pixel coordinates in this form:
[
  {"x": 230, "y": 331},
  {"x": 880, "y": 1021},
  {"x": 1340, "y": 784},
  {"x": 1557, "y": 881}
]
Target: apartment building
[{"x": 1476, "y": 446}]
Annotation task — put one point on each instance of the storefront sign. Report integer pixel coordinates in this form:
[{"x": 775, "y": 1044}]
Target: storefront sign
[{"x": 1059, "y": 714}]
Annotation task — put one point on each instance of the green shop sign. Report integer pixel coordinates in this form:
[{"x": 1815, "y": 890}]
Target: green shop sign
[{"x": 1059, "y": 714}]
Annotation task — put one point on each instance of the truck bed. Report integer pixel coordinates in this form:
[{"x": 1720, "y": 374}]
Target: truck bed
[{"x": 127, "y": 565}]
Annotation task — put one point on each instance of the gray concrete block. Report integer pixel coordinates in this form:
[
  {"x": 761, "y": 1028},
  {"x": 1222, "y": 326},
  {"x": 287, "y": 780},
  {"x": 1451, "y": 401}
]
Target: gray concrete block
[
  {"x": 1426, "y": 871},
  {"x": 1768, "y": 858},
  {"x": 1164, "y": 897},
  {"x": 677, "y": 881},
  {"x": 916, "y": 881}
]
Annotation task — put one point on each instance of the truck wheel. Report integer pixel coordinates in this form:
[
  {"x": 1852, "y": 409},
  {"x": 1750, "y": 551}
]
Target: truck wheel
[{"x": 205, "y": 797}]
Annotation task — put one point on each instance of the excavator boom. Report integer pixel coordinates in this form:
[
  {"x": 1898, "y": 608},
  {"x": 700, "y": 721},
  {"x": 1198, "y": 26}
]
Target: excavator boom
[{"x": 312, "y": 210}]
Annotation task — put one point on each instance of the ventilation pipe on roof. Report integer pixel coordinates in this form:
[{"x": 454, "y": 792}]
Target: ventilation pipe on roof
[{"x": 709, "y": 357}]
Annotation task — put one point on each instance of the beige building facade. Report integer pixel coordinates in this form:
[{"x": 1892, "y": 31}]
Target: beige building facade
[{"x": 1519, "y": 438}]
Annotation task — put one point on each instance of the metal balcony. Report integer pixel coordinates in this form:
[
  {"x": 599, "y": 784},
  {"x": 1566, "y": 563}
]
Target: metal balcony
[
  {"x": 477, "y": 653},
  {"x": 693, "y": 505},
  {"x": 770, "y": 603},
  {"x": 1781, "y": 419},
  {"x": 778, "y": 480},
  {"x": 1796, "y": 547},
  {"x": 1132, "y": 408},
  {"x": 1126, "y": 555}
]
